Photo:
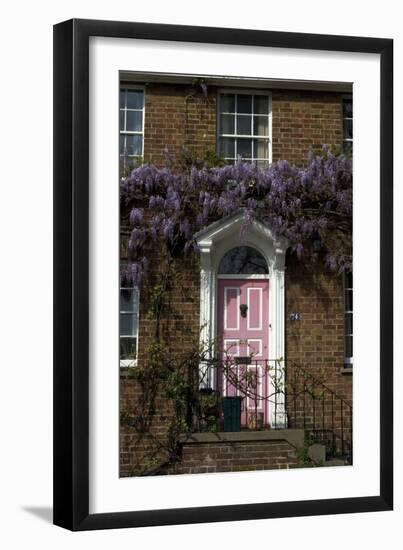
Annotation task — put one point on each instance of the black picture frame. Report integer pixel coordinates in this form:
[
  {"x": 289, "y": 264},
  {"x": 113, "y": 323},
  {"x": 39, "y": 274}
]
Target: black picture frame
[{"x": 71, "y": 274}]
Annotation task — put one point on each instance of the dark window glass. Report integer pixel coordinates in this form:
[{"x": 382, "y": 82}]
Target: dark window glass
[
  {"x": 244, "y": 125},
  {"x": 243, "y": 260},
  {"x": 134, "y": 99},
  {"x": 228, "y": 124},
  {"x": 348, "y": 317},
  {"x": 244, "y": 103},
  {"x": 227, "y": 104},
  {"x": 227, "y": 148},
  {"x": 244, "y": 148},
  {"x": 129, "y": 319},
  {"x": 244, "y": 116},
  {"x": 131, "y": 104},
  {"x": 348, "y": 126},
  {"x": 261, "y": 105},
  {"x": 128, "y": 348}
]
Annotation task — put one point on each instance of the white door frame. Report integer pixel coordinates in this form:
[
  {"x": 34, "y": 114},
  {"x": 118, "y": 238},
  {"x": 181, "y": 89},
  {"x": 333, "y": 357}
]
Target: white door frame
[{"x": 214, "y": 242}]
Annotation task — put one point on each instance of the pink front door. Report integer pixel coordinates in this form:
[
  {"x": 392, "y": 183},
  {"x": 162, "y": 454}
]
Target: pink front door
[{"x": 243, "y": 332}]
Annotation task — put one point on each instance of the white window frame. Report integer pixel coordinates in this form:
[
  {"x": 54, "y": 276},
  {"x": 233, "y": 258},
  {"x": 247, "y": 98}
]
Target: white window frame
[
  {"x": 343, "y": 118},
  {"x": 348, "y": 360},
  {"x": 127, "y": 86},
  {"x": 130, "y": 362},
  {"x": 245, "y": 91}
]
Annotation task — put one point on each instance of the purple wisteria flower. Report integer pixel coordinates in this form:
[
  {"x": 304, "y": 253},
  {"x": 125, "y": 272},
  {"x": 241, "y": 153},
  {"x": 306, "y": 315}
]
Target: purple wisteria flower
[{"x": 303, "y": 204}]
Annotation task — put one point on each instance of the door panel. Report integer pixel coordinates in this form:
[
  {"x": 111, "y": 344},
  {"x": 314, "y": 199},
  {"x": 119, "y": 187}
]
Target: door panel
[
  {"x": 243, "y": 330},
  {"x": 231, "y": 308}
]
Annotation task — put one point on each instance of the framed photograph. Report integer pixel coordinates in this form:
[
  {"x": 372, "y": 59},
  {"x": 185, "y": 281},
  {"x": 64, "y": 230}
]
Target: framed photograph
[{"x": 223, "y": 265}]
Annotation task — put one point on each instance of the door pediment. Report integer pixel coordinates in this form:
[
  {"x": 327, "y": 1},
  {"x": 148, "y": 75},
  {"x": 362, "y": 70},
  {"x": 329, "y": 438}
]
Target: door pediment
[{"x": 217, "y": 238}]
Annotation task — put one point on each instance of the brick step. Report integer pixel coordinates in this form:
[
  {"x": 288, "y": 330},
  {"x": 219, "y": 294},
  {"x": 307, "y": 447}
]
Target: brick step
[
  {"x": 335, "y": 462},
  {"x": 238, "y": 452}
]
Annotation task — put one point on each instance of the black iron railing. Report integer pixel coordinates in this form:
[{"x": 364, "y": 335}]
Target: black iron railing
[{"x": 276, "y": 395}]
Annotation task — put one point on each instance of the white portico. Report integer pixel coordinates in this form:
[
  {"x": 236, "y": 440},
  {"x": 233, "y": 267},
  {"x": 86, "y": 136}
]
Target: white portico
[{"x": 215, "y": 241}]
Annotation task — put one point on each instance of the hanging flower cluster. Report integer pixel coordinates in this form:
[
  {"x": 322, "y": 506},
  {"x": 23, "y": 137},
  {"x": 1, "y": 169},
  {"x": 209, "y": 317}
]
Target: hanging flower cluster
[{"x": 306, "y": 205}]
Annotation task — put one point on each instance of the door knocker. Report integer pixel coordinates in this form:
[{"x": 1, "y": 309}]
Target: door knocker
[{"x": 244, "y": 309}]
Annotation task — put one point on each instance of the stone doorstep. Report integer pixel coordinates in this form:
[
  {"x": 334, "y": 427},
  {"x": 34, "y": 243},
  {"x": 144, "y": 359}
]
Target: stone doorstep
[{"x": 292, "y": 436}]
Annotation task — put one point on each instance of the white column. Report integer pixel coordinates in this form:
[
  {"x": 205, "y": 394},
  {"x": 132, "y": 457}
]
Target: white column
[
  {"x": 206, "y": 312},
  {"x": 278, "y": 415}
]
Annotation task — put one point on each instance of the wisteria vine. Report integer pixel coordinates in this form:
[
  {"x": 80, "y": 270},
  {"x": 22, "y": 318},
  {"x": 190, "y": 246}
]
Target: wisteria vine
[{"x": 305, "y": 205}]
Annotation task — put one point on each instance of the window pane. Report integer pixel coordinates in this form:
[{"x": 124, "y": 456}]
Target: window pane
[
  {"x": 348, "y": 320},
  {"x": 227, "y": 147},
  {"x": 128, "y": 348},
  {"x": 128, "y": 299},
  {"x": 133, "y": 145},
  {"x": 227, "y": 103},
  {"x": 134, "y": 99},
  {"x": 243, "y": 260},
  {"x": 262, "y": 163},
  {"x": 349, "y": 300},
  {"x": 349, "y": 346},
  {"x": 127, "y": 164},
  {"x": 347, "y": 129},
  {"x": 121, "y": 144},
  {"x": 260, "y": 126},
  {"x": 244, "y": 104},
  {"x": 349, "y": 279},
  {"x": 128, "y": 324},
  {"x": 347, "y": 108},
  {"x": 244, "y": 148},
  {"x": 134, "y": 121},
  {"x": 228, "y": 124},
  {"x": 121, "y": 120},
  {"x": 243, "y": 125},
  {"x": 261, "y": 104},
  {"x": 261, "y": 148},
  {"x": 122, "y": 168},
  {"x": 348, "y": 148},
  {"x": 122, "y": 98}
]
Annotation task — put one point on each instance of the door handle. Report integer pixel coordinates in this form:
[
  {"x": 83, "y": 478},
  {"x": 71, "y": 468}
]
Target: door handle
[{"x": 244, "y": 309}]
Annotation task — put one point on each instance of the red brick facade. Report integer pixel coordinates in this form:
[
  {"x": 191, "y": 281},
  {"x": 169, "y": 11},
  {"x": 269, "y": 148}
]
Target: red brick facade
[
  {"x": 176, "y": 117},
  {"x": 241, "y": 456},
  {"x": 304, "y": 119}
]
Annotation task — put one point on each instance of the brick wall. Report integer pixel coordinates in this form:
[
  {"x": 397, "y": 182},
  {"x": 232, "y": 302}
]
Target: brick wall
[
  {"x": 241, "y": 456},
  {"x": 180, "y": 333},
  {"x": 140, "y": 454},
  {"x": 304, "y": 119},
  {"x": 316, "y": 343},
  {"x": 316, "y": 340},
  {"x": 177, "y": 117}
]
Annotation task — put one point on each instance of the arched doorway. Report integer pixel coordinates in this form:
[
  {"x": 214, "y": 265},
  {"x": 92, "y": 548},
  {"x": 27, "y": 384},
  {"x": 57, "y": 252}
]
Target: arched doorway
[
  {"x": 243, "y": 332},
  {"x": 245, "y": 258}
]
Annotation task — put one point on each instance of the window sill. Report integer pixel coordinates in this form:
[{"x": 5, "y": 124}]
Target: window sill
[
  {"x": 347, "y": 369},
  {"x": 126, "y": 368}
]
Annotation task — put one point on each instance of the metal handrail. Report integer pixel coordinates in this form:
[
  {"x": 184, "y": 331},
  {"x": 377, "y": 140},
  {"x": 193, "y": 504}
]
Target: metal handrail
[{"x": 314, "y": 406}]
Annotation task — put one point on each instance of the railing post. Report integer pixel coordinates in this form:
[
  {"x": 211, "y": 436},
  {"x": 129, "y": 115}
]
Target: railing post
[
  {"x": 256, "y": 391},
  {"x": 276, "y": 393}
]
